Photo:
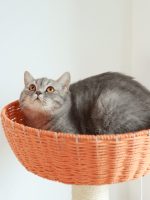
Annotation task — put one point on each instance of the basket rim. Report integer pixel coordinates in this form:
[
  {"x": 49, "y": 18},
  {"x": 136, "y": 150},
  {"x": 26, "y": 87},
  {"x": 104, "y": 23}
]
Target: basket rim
[{"x": 107, "y": 137}]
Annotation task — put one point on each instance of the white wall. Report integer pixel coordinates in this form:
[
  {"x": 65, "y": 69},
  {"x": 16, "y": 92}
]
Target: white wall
[
  {"x": 50, "y": 37},
  {"x": 141, "y": 40},
  {"x": 141, "y": 69}
]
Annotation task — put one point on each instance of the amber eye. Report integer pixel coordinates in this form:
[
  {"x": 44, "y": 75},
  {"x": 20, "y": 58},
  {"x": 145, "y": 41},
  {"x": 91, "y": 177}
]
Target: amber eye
[
  {"x": 50, "y": 89},
  {"x": 32, "y": 87}
]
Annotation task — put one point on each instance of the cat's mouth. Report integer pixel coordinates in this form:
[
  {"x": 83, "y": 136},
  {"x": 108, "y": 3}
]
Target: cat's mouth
[{"x": 37, "y": 99}]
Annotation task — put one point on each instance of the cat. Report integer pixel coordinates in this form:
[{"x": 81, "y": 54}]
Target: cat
[{"x": 108, "y": 103}]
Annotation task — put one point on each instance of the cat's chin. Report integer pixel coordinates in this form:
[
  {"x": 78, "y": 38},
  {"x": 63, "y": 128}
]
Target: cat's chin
[{"x": 37, "y": 104}]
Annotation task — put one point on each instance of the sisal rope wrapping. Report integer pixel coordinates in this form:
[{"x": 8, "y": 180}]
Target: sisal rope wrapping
[{"x": 81, "y": 192}]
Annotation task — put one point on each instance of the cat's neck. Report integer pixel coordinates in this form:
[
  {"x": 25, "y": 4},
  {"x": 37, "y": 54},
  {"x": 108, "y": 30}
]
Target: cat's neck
[
  {"x": 36, "y": 119},
  {"x": 63, "y": 121},
  {"x": 59, "y": 121}
]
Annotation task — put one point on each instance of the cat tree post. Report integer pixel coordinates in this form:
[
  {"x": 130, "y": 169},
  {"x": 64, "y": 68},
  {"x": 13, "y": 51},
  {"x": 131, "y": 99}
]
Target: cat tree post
[
  {"x": 91, "y": 192},
  {"x": 88, "y": 162}
]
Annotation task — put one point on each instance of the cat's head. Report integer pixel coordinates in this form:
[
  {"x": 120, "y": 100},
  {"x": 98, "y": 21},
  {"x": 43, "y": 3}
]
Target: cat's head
[{"x": 43, "y": 94}]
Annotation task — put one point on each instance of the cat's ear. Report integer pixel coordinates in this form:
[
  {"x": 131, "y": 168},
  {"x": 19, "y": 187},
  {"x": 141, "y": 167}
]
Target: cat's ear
[
  {"x": 28, "y": 78},
  {"x": 65, "y": 80}
]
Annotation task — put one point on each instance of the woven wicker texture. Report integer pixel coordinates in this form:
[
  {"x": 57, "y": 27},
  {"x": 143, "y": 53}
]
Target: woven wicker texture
[{"x": 77, "y": 159}]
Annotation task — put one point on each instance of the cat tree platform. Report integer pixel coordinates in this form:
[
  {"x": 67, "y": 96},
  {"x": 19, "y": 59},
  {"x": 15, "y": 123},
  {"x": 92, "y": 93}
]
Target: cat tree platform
[{"x": 85, "y": 161}]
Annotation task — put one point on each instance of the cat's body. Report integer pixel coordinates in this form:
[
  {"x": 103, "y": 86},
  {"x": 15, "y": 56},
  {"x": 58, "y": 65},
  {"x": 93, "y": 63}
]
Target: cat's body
[{"x": 102, "y": 104}]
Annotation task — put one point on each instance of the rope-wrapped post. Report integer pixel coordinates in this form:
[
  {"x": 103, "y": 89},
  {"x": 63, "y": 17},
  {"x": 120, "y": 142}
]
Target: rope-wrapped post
[{"x": 90, "y": 192}]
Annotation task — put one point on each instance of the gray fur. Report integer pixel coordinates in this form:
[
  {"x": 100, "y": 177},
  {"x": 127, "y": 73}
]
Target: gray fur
[{"x": 107, "y": 103}]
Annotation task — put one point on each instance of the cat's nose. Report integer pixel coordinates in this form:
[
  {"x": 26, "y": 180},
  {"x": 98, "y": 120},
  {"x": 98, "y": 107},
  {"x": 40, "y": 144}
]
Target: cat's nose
[{"x": 38, "y": 93}]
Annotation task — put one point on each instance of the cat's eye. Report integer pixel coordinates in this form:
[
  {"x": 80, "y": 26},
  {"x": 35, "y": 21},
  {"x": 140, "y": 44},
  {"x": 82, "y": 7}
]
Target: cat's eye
[
  {"x": 32, "y": 87},
  {"x": 50, "y": 89}
]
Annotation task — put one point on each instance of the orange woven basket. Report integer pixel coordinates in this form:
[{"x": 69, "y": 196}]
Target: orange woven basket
[{"x": 75, "y": 158}]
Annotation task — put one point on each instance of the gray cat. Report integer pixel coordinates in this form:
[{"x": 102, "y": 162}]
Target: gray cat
[{"x": 102, "y": 104}]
